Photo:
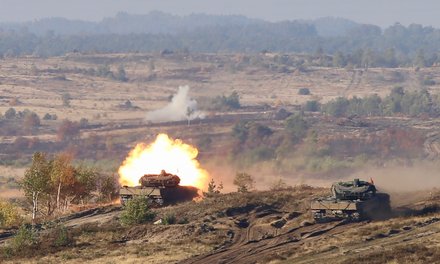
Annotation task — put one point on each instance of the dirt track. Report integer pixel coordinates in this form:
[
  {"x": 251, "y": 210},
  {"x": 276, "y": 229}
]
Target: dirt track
[{"x": 245, "y": 251}]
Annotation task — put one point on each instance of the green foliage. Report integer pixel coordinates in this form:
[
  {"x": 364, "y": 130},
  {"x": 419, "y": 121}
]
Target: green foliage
[
  {"x": 398, "y": 101},
  {"x": 107, "y": 187},
  {"x": 244, "y": 182},
  {"x": 169, "y": 219},
  {"x": 104, "y": 71},
  {"x": 62, "y": 237},
  {"x": 25, "y": 238},
  {"x": 337, "y": 107},
  {"x": 224, "y": 103},
  {"x": 48, "y": 116},
  {"x": 339, "y": 60},
  {"x": 9, "y": 215},
  {"x": 10, "y": 113},
  {"x": 241, "y": 131},
  {"x": 312, "y": 106},
  {"x": 296, "y": 127},
  {"x": 394, "y": 46},
  {"x": 120, "y": 74},
  {"x": 304, "y": 91},
  {"x": 213, "y": 188},
  {"x": 136, "y": 211},
  {"x": 428, "y": 81},
  {"x": 66, "y": 97}
]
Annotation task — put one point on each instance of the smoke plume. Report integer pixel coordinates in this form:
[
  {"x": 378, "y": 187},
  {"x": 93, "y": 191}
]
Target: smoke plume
[{"x": 182, "y": 107}]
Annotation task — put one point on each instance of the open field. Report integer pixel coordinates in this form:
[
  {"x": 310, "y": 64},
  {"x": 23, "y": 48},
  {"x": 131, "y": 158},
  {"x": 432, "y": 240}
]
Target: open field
[
  {"x": 400, "y": 152},
  {"x": 264, "y": 87}
]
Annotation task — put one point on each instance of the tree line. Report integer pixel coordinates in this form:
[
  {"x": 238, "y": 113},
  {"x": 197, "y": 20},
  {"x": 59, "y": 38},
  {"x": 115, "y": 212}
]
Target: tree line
[
  {"x": 362, "y": 45},
  {"x": 52, "y": 184},
  {"x": 398, "y": 102}
]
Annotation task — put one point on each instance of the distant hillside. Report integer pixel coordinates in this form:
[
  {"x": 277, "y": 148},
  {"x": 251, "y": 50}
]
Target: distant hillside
[
  {"x": 161, "y": 23},
  {"x": 330, "y": 26},
  {"x": 353, "y": 43},
  {"x": 152, "y": 23}
]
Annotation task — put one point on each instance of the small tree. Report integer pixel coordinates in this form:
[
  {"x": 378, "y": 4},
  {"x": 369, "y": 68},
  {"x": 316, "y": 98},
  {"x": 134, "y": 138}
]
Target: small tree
[
  {"x": 304, "y": 91},
  {"x": 121, "y": 75},
  {"x": 8, "y": 214},
  {"x": 36, "y": 180},
  {"x": 312, "y": 106},
  {"x": 23, "y": 239},
  {"x": 107, "y": 187},
  {"x": 65, "y": 97},
  {"x": 62, "y": 174},
  {"x": 213, "y": 188},
  {"x": 244, "y": 182},
  {"x": 83, "y": 123},
  {"x": 68, "y": 130},
  {"x": 31, "y": 121},
  {"x": 189, "y": 112},
  {"x": 10, "y": 113},
  {"x": 296, "y": 127},
  {"x": 137, "y": 211}
]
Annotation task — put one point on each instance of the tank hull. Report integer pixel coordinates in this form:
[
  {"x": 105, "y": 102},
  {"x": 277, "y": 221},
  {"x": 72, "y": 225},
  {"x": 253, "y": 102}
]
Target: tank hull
[
  {"x": 159, "y": 196},
  {"x": 328, "y": 209}
]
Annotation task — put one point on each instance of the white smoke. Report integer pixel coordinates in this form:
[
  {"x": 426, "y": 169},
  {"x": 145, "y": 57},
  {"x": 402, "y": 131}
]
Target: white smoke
[{"x": 182, "y": 107}]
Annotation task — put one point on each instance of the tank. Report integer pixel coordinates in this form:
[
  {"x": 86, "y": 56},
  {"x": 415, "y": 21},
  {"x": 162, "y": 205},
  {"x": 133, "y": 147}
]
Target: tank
[
  {"x": 354, "y": 201},
  {"x": 161, "y": 180},
  {"x": 160, "y": 189}
]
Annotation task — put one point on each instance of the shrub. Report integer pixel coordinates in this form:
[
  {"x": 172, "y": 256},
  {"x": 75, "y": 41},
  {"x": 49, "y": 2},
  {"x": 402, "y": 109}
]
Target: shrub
[
  {"x": 65, "y": 97},
  {"x": 25, "y": 238},
  {"x": 169, "y": 220},
  {"x": 62, "y": 237},
  {"x": 312, "y": 106},
  {"x": 213, "y": 188},
  {"x": 244, "y": 182},
  {"x": 429, "y": 82},
  {"x": 137, "y": 211},
  {"x": 8, "y": 215},
  {"x": 230, "y": 102},
  {"x": 304, "y": 91},
  {"x": 10, "y": 113}
]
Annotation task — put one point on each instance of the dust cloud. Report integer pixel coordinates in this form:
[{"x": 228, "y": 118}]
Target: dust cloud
[
  {"x": 417, "y": 177},
  {"x": 182, "y": 107}
]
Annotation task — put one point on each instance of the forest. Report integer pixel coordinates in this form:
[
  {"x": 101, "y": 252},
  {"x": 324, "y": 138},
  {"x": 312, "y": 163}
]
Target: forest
[{"x": 348, "y": 42}]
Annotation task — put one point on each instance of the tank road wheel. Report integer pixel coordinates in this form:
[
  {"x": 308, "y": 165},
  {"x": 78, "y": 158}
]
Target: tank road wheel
[
  {"x": 159, "y": 202},
  {"x": 355, "y": 217}
]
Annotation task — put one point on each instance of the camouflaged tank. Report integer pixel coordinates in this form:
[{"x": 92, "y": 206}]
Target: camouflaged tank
[
  {"x": 354, "y": 200},
  {"x": 160, "y": 189}
]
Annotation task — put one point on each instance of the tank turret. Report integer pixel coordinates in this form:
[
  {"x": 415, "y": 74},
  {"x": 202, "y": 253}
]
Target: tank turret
[
  {"x": 353, "y": 190},
  {"x": 353, "y": 200},
  {"x": 163, "y": 180}
]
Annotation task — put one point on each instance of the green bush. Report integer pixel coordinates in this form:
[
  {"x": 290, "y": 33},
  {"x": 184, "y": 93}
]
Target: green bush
[
  {"x": 62, "y": 237},
  {"x": 25, "y": 238},
  {"x": 304, "y": 91},
  {"x": 9, "y": 215},
  {"x": 169, "y": 220},
  {"x": 137, "y": 211},
  {"x": 312, "y": 106},
  {"x": 223, "y": 103}
]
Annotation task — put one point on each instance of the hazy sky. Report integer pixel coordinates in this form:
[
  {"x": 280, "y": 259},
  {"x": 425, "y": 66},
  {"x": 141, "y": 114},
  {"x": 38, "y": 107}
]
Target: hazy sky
[{"x": 380, "y": 12}]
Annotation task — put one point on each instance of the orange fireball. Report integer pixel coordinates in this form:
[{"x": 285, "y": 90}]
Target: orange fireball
[{"x": 167, "y": 154}]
